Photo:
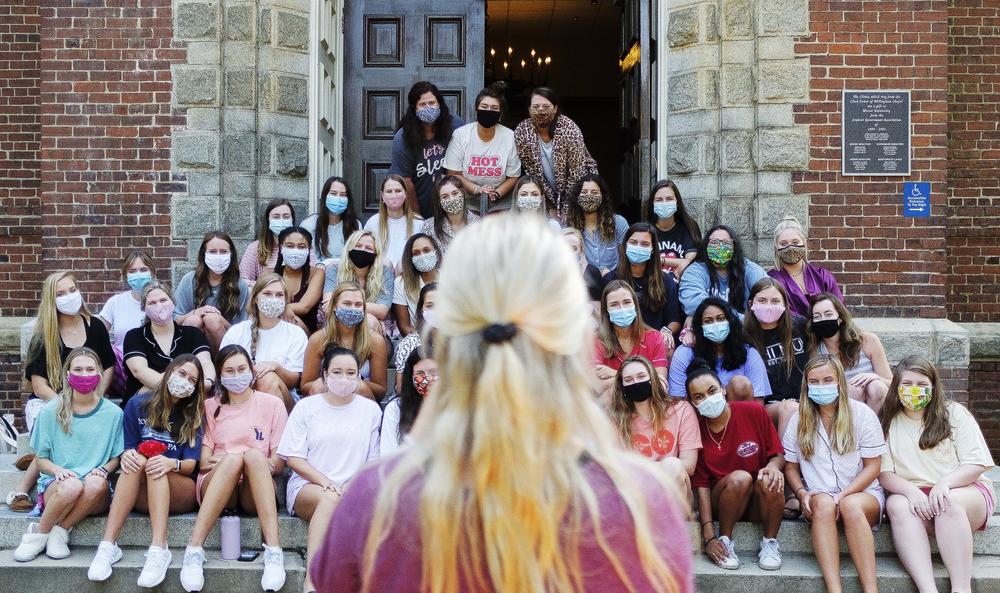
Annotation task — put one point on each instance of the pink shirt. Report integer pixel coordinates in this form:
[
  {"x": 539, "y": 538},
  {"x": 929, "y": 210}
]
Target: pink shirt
[
  {"x": 679, "y": 432},
  {"x": 651, "y": 346},
  {"x": 250, "y": 268},
  {"x": 256, "y": 423}
]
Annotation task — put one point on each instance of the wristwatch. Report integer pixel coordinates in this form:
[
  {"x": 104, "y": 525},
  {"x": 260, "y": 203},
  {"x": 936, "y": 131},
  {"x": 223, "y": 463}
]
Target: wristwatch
[{"x": 177, "y": 465}]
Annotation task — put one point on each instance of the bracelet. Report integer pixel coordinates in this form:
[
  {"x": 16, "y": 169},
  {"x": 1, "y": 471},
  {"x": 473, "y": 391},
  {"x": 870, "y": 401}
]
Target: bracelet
[
  {"x": 706, "y": 523},
  {"x": 709, "y": 540}
]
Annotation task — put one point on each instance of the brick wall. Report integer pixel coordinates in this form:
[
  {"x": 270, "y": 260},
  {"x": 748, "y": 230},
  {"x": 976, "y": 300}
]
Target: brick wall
[
  {"x": 105, "y": 134},
  {"x": 888, "y": 265},
  {"x": 20, "y": 174},
  {"x": 984, "y": 376},
  {"x": 11, "y": 393},
  {"x": 974, "y": 160}
]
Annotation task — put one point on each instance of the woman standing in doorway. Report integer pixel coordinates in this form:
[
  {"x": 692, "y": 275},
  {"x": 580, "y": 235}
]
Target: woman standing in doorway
[{"x": 552, "y": 149}]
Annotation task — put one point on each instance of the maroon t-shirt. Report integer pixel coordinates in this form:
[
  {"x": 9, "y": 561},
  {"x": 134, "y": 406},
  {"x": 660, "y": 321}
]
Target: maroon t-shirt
[
  {"x": 337, "y": 567},
  {"x": 748, "y": 441}
]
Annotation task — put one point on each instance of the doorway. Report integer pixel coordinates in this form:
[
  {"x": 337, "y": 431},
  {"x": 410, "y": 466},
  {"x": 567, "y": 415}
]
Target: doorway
[{"x": 574, "y": 48}]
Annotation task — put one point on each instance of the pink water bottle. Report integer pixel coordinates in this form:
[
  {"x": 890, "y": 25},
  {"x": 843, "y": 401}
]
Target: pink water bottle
[{"x": 229, "y": 527}]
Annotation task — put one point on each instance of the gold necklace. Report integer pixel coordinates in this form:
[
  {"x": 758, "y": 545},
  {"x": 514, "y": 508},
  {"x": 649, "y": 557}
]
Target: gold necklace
[{"x": 718, "y": 443}]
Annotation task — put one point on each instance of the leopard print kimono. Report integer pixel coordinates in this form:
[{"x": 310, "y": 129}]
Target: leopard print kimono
[{"x": 570, "y": 158}]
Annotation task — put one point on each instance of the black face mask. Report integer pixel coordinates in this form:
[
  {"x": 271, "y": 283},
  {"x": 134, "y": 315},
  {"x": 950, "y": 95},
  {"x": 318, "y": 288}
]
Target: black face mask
[
  {"x": 826, "y": 328},
  {"x": 487, "y": 118},
  {"x": 361, "y": 258},
  {"x": 638, "y": 392}
]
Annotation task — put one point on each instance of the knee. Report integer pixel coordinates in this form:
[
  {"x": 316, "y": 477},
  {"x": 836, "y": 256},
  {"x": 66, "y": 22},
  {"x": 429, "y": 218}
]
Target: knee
[
  {"x": 851, "y": 510},
  {"x": 270, "y": 383},
  {"x": 254, "y": 458},
  {"x": 739, "y": 389},
  {"x": 70, "y": 489},
  {"x": 327, "y": 503},
  {"x": 897, "y": 507},
  {"x": 193, "y": 321},
  {"x": 876, "y": 391},
  {"x": 822, "y": 507},
  {"x": 94, "y": 486},
  {"x": 739, "y": 480},
  {"x": 232, "y": 461},
  {"x": 214, "y": 323},
  {"x": 788, "y": 408}
]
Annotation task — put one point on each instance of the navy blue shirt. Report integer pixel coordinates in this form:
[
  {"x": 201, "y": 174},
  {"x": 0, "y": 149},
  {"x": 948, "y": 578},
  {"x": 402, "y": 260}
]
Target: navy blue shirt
[
  {"x": 424, "y": 165},
  {"x": 137, "y": 430},
  {"x": 654, "y": 318}
]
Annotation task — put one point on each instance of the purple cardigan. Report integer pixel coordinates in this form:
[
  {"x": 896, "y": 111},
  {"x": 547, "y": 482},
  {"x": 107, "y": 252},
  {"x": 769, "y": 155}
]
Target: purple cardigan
[{"x": 817, "y": 280}]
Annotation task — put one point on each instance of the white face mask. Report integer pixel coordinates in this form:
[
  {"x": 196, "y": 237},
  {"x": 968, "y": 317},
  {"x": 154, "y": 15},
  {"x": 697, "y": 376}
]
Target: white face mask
[
  {"x": 218, "y": 262},
  {"x": 69, "y": 304},
  {"x": 179, "y": 387},
  {"x": 425, "y": 262},
  {"x": 271, "y": 307},
  {"x": 529, "y": 202},
  {"x": 294, "y": 258}
]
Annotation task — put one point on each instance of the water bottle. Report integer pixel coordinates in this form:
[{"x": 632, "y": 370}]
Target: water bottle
[{"x": 230, "y": 531}]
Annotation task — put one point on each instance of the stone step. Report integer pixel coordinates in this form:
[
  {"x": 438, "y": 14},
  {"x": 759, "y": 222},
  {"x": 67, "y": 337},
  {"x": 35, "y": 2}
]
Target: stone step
[
  {"x": 800, "y": 573},
  {"x": 70, "y": 574}
]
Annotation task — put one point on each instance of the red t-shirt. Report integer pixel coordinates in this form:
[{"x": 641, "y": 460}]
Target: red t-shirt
[
  {"x": 650, "y": 346},
  {"x": 748, "y": 442}
]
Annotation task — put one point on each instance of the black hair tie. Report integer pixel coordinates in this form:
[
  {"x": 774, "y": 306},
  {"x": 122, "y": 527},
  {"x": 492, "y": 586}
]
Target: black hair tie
[{"x": 496, "y": 333}]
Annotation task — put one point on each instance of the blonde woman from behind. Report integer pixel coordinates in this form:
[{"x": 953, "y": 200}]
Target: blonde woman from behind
[{"x": 514, "y": 479}]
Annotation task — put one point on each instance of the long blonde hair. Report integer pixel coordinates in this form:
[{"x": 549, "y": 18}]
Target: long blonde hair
[
  {"x": 360, "y": 342},
  {"x": 64, "y": 415},
  {"x": 253, "y": 311},
  {"x": 46, "y": 333},
  {"x": 383, "y": 214},
  {"x": 623, "y": 410},
  {"x": 501, "y": 465},
  {"x": 348, "y": 272},
  {"x": 842, "y": 439}
]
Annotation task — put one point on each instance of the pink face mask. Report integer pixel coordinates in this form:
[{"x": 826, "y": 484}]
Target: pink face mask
[
  {"x": 767, "y": 313},
  {"x": 160, "y": 313},
  {"x": 84, "y": 384},
  {"x": 394, "y": 203},
  {"x": 341, "y": 386}
]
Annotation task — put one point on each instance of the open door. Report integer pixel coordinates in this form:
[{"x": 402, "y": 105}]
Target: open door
[
  {"x": 388, "y": 46},
  {"x": 636, "y": 104}
]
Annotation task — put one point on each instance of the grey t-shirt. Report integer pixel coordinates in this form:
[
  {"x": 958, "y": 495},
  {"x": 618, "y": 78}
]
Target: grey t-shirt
[
  {"x": 334, "y": 237},
  {"x": 184, "y": 296},
  {"x": 548, "y": 171},
  {"x": 484, "y": 163}
]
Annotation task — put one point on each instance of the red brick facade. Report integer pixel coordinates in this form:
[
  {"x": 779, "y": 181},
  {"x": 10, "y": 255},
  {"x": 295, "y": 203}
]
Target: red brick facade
[
  {"x": 974, "y": 160},
  {"x": 984, "y": 376},
  {"x": 888, "y": 265}
]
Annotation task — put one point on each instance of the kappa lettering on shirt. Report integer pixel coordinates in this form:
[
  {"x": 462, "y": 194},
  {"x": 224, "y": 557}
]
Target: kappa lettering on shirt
[{"x": 484, "y": 166}]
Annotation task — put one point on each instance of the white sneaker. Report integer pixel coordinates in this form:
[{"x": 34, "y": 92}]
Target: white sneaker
[
  {"x": 100, "y": 567},
  {"x": 273, "y": 578},
  {"x": 32, "y": 544},
  {"x": 732, "y": 561},
  {"x": 155, "y": 569},
  {"x": 192, "y": 575},
  {"x": 57, "y": 547},
  {"x": 770, "y": 556}
]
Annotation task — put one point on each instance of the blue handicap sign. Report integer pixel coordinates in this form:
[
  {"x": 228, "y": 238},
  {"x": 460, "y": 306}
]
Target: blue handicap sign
[{"x": 917, "y": 199}]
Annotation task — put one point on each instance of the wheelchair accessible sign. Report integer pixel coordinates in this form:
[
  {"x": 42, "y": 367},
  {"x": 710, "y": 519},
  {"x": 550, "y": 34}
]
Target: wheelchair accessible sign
[{"x": 917, "y": 199}]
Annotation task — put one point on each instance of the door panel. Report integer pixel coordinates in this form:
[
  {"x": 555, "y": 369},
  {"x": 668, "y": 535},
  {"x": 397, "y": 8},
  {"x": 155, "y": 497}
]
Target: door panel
[
  {"x": 636, "y": 115},
  {"x": 388, "y": 46}
]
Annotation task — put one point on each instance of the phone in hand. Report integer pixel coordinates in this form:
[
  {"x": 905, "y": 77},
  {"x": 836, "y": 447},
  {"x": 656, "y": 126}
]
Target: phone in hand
[{"x": 248, "y": 555}]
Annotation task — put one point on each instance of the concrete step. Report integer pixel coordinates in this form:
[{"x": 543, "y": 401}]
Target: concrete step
[
  {"x": 70, "y": 574},
  {"x": 801, "y": 574}
]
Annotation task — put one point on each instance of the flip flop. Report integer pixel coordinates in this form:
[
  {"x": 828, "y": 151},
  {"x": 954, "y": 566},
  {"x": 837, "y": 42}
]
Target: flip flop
[
  {"x": 792, "y": 512},
  {"x": 24, "y": 461}
]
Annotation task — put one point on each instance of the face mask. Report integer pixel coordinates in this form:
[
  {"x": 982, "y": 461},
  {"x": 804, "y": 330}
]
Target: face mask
[
  {"x": 294, "y": 258},
  {"x": 638, "y": 255},
  {"x": 349, "y": 317},
  {"x": 361, "y": 258},
  {"x": 638, "y": 392},
  {"x": 717, "y": 332},
  {"x": 826, "y": 328},
  {"x": 664, "y": 209},
  {"x": 452, "y": 205},
  {"x": 487, "y": 117},
  {"x": 394, "y": 202},
  {"x": 341, "y": 386},
  {"x": 428, "y": 115},
  {"x": 589, "y": 203},
  {"x": 218, "y": 262},
  {"x": 69, "y": 304},
  {"x": 622, "y": 317},
  {"x": 712, "y": 406},
  {"x": 914, "y": 397},
  {"x": 425, "y": 262},
  {"x": 823, "y": 394},
  {"x": 179, "y": 387},
  {"x": 542, "y": 120},
  {"x": 336, "y": 205},
  {"x": 160, "y": 313},
  {"x": 430, "y": 318},
  {"x": 271, "y": 307},
  {"x": 791, "y": 254},
  {"x": 720, "y": 255},
  {"x": 84, "y": 384},
  {"x": 529, "y": 202},
  {"x": 278, "y": 224},
  {"x": 767, "y": 313},
  {"x": 423, "y": 385},
  {"x": 238, "y": 383},
  {"x": 138, "y": 280}
]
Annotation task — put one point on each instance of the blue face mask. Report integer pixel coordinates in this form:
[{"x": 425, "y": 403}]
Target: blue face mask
[
  {"x": 138, "y": 280},
  {"x": 823, "y": 394},
  {"x": 622, "y": 317},
  {"x": 712, "y": 406},
  {"x": 278, "y": 224},
  {"x": 349, "y": 317},
  {"x": 336, "y": 205},
  {"x": 638, "y": 255},
  {"x": 717, "y": 332},
  {"x": 664, "y": 209}
]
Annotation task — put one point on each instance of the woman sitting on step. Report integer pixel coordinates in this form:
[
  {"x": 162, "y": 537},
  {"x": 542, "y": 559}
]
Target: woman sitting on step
[
  {"x": 738, "y": 476},
  {"x": 162, "y": 444},
  {"x": 239, "y": 460},
  {"x": 934, "y": 471},
  {"x": 833, "y": 450},
  {"x": 77, "y": 440}
]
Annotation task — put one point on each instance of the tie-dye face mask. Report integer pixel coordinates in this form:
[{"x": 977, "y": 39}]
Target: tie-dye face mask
[{"x": 914, "y": 397}]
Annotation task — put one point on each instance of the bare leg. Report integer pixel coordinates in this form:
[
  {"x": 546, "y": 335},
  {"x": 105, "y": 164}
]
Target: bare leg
[
  {"x": 826, "y": 544},
  {"x": 272, "y": 384},
  {"x": 215, "y": 328},
  {"x": 781, "y": 413},
  {"x": 30, "y": 477},
  {"x": 768, "y": 508},
  {"x": 859, "y": 512},
  {"x": 875, "y": 393},
  {"x": 126, "y": 493},
  {"x": 257, "y": 474},
  {"x": 909, "y": 536},
  {"x": 218, "y": 490},
  {"x": 953, "y": 529},
  {"x": 60, "y": 497},
  {"x": 161, "y": 497},
  {"x": 730, "y": 498},
  {"x": 94, "y": 499},
  {"x": 739, "y": 389},
  {"x": 315, "y": 505}
]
